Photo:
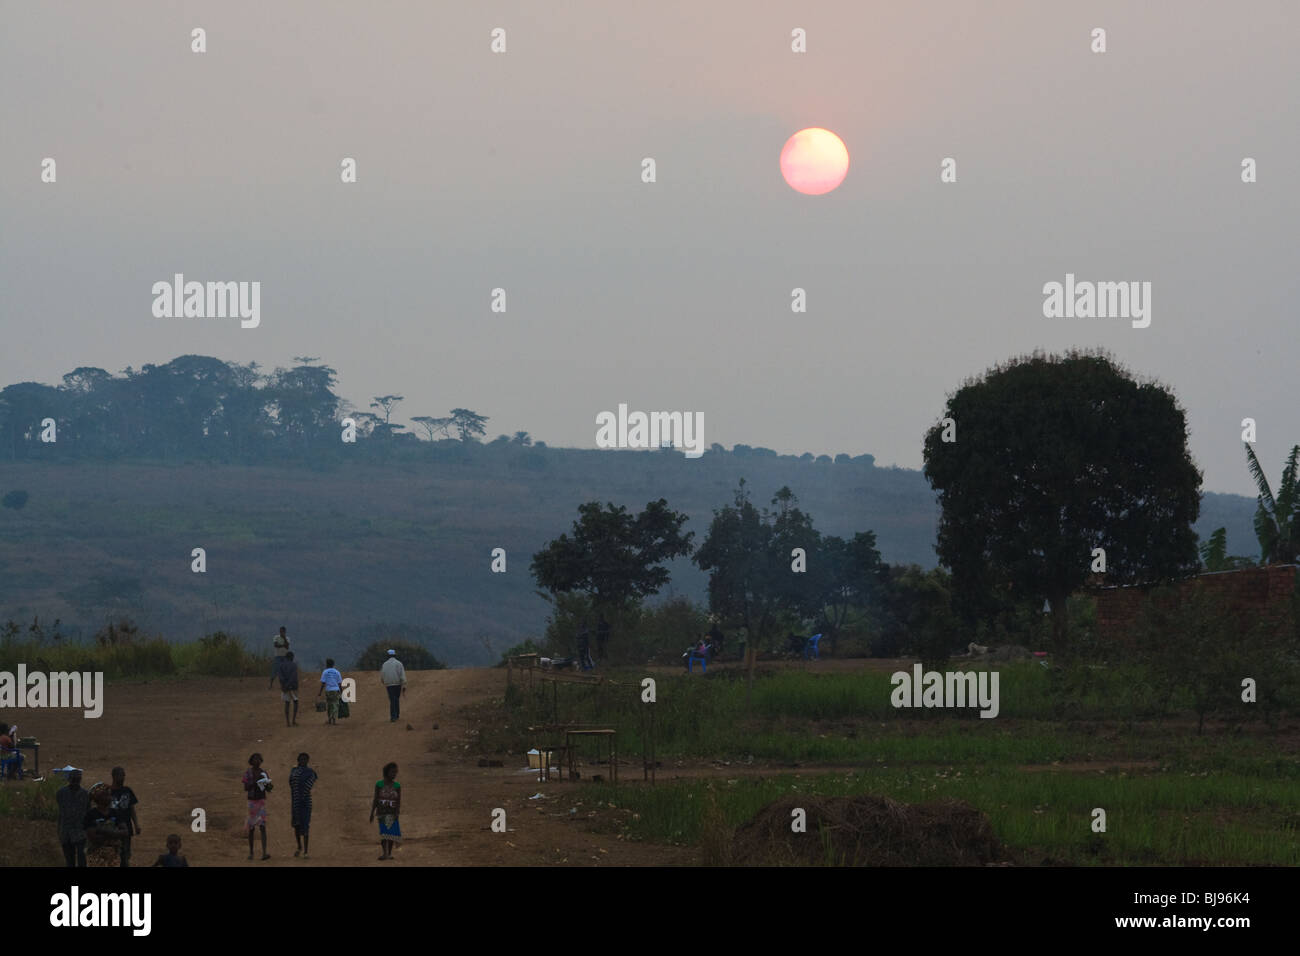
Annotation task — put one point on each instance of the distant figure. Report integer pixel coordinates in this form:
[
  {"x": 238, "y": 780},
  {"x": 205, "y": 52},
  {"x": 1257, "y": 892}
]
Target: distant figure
[
  {"x": 700, "y": 650},
  {"x": 73, "y": 803},
  {"x": 393, "y": 674},
  {"x": 287, "y": 672},
  {"x": 257, "y": 784},
  {"x": 11, "y": 758},
  {"x": 280, "y": 646},
  {"x": 602, "y": 637},
  {"x": 388, "y": 803},
  {"x": 715, "y": 638},
  {"x": 584, "y": 647},
  {"x": 331, "y": 684},
  {"x": 301, "y": 779},
  {"x": 122, "y": 801},
  {"x": 173, "y": 855},
  {"x": 794, "y": 644}
]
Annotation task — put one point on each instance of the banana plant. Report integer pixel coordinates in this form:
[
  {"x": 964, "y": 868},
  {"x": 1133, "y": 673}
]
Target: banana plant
[{"x": 1277, "y": 520}]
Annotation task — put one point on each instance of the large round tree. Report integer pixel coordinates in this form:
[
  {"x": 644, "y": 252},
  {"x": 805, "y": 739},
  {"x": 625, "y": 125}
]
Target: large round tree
[{"x": 1054, "y": 456}]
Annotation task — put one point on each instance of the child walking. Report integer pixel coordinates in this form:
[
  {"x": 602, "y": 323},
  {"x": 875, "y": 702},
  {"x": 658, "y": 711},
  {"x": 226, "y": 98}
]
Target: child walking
[
  {"x": 388, "y": 803},
  {"x": 257, "y": 784},
  {"x": 301, "y": 780}
]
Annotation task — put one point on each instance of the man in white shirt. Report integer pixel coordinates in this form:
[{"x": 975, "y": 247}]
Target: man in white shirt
[
  {"x": 393, "y": 674},
  {"x": 280, "y": 644}
]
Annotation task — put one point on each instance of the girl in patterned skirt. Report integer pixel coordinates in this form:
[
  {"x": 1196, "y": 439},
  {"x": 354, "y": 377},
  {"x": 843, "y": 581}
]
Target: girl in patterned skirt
[
  {"x": 387, "y": 803},
  {"x": 257, "y": 784}
]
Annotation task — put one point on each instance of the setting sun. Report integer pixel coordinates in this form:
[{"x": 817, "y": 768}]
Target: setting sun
[{"x": 814, "y": 161}]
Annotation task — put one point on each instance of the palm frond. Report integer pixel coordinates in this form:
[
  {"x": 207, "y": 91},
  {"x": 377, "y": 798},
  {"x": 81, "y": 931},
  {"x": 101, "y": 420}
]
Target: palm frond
[
  {"x": 1286, "y": 492},
  {"x": 1256, "y": 472}
]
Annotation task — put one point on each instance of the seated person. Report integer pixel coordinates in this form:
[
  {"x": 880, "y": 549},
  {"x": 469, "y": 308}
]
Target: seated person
[
  {"x": 700, "y": 649},
  {"x": 11, "y": 758}
]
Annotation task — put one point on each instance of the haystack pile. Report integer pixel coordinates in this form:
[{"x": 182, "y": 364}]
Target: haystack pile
[{"x": 866, "y": 831}]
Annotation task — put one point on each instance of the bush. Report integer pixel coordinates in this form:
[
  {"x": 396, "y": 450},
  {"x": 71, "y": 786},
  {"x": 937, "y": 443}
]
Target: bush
[
  {"x": 918, "y": 615},
  {"x": 638, "y": 635},
  {"x": 222, "y": 655},
  {"x": 15, "y": 499},
  {"x": 1191, "y": 641},
  {"x": 527, "y": 647},
  {"x": 111, "y": 635},
  {"x": 413, "y": 657},
  {"x": 122, "y": 656}
]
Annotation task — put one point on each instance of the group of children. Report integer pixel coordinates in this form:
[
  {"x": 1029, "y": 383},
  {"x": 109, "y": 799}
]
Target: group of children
[
  {"x": 387, "y": 803},
  {"x": 96, "y": 826}
]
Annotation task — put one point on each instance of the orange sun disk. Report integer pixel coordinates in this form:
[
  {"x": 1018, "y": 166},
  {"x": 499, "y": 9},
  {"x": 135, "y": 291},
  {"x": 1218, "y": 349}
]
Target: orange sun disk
[{"x": 814, "y": 161}]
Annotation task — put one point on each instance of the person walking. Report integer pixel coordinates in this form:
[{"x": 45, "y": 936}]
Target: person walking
[
  {"x": 122, "y": 801},
  {"x": 388, "y": 803},
  {"x": 331, "y": 685},
  {"x": 257, "y": 784},
  {"x": 301, "y": 779},
  {"x": 74, "y": 803},
  {"x": 280, "y": 647},
  {"x": 287, "y": 671},
  {"x": 393, "y": 674}
]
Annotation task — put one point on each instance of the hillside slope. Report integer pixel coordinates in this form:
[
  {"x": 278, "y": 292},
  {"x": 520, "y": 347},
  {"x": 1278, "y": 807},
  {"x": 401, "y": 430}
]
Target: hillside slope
[{"x": 328, "y": 552}]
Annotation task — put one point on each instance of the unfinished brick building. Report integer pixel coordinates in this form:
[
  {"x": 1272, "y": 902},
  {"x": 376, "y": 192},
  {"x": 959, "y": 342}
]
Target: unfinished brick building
[{"x": 1258, "y": 593}]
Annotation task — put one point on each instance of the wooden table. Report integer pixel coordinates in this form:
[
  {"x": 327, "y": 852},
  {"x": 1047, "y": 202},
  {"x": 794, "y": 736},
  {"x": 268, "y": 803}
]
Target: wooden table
[{"x": 607, "y": 733}]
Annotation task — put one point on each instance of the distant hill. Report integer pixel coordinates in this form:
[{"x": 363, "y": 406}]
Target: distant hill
[{"x": 333, "y": 552}]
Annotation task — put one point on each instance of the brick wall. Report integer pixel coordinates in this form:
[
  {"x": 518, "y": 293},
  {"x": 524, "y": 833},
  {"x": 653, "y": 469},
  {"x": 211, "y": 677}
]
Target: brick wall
[{"x": 1255, "y": 592}]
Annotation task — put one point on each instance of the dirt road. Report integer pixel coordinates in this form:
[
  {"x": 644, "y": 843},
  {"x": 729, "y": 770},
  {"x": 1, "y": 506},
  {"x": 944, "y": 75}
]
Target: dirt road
[{"x": 185, "y": 744}]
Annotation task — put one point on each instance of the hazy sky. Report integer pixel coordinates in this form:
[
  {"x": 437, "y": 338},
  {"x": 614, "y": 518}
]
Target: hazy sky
[{"x": 522, "y": 170}]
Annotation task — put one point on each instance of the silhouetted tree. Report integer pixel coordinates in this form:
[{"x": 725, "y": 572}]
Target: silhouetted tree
[
  {"x": 468, "y": 425},
  {"x": 613, "y": 556},
  {"x": 433, "y": 426},
  {"x": 1055, "y": 456},
  {"x": 386, "y": 403},
  {"x": 747, "y": 555}
]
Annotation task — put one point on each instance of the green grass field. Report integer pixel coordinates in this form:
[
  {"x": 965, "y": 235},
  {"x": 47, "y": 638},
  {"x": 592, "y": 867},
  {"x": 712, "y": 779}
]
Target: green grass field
[{"x": 1055, "y": 753}]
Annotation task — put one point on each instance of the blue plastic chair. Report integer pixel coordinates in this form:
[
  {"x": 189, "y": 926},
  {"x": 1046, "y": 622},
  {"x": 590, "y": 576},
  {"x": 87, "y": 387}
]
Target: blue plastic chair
[
  {"x": 11, "y": 761},
  {"x": 704, "y": 663},
  {"x": 810, "y": 649}
]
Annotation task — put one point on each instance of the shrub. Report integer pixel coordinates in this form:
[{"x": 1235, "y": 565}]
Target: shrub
[
  {"x": 527, "y": 647},
  {"x": 413, "y": 657},
  {"x": 111, "y": 635},
  {"x": 1191, "y": 640},
  {"x": 222, "y": 655},
  {"x": 15, "y": 499}
]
